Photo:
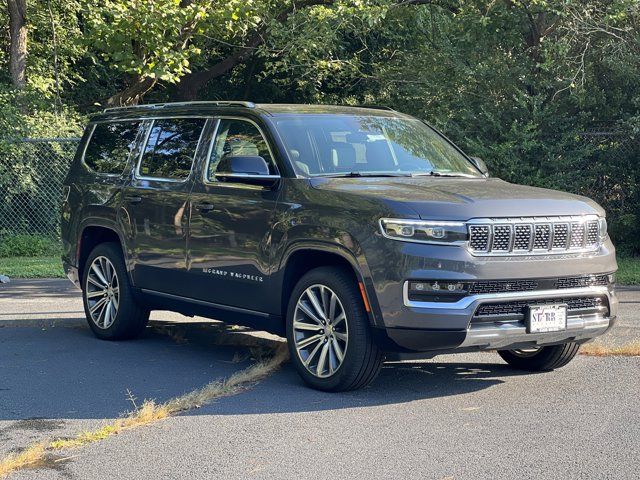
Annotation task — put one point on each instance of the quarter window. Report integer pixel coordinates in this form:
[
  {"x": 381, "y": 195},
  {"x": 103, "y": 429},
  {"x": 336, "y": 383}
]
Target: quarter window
[
  {"x": 238, "y": 138},
  {"x": 110, "y": 145},
  {"x": 171, "y": 148}
]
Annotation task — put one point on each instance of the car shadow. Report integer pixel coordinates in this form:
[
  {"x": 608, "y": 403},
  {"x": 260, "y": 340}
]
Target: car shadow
[
  {"x": 66, "y": 373},
  {"x": 33, "y": 289},
  {"x": 397, "y": 383}
]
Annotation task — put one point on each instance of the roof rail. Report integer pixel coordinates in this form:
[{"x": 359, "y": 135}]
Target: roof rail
[
  {"x": 219, "y": 103},
  {"x": 377, "y": 107}
]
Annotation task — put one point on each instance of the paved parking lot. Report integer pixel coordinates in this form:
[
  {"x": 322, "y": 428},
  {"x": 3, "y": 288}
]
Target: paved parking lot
[{"x": 465, "y": 416}]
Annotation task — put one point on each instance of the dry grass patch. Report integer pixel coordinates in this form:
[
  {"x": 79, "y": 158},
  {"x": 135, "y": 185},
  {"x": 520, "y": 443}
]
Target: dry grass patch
[
  {"x": 30, "y": 456},
  {"x": 151, "y": 412},
  {"x": 598, "y": 350}
]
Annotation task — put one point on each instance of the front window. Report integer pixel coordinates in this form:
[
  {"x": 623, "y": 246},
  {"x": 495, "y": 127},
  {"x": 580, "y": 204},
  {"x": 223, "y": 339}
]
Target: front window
[{"x": 343, "y": 145}]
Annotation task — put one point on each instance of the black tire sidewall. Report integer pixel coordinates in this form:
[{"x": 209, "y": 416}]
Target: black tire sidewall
[
  {"x": 130, "y": 319},
  {"x": 341, "y": 282},
  {"x": 546, "y": 359}
]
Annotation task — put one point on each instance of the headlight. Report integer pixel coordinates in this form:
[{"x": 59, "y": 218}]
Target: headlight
[
  {"x": 424, "y": 231},
  {"x": 602, "y": 230}
]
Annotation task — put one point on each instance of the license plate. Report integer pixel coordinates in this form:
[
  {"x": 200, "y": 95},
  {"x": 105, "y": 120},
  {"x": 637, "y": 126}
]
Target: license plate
[{"x": 547, "y": 318}]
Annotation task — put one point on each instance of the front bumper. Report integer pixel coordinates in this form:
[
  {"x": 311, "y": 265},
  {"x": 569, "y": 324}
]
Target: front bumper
[{"x": 466, "y": 334}]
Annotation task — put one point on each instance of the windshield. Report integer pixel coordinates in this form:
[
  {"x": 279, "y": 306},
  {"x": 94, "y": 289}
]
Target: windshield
[{"x": 342, "y": 145}]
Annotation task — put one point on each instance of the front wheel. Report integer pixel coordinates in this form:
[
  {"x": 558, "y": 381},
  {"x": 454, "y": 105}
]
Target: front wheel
[
  {"x": 540, "y": 359},
  {"x": 111, "y": 309},
  {"x": 329, "y": 338}
]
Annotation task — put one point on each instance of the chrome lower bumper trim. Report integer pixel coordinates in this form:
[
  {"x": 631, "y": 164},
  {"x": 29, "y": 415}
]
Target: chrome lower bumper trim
[{"x": 510, "y": 334}]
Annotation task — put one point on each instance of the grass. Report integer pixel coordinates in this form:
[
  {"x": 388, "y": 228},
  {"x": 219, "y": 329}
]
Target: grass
[
  {"x": 31, "y": 267},
  {"x": 149, "y": 412},
  {"x": 597, "y": 350},
  {"x": 628, "y": 271}
]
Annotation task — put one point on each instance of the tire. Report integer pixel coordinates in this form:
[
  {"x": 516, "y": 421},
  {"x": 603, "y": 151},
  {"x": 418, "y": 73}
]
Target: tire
[
  {"x": 541, "y": 360},
  {"x": 119, "y": 317},
  {"x": 361, "y": 358}
]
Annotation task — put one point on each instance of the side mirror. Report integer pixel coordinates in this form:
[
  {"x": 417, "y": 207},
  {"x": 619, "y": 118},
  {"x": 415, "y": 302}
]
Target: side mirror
[
  {"x": 478, "y": 162},
  {"x": 249, "y": 169}
]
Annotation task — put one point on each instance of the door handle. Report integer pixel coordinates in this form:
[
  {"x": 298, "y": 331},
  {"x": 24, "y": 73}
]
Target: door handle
[
  {"x": 133, "y": 199},
  {"x": 204, "y": 207}
]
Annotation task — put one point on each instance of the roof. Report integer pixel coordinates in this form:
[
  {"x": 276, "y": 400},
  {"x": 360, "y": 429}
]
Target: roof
[{"x": 274, "y": 109}]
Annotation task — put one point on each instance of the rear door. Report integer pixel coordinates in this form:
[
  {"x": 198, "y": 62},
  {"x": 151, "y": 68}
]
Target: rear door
[
  {"x": 156, "y": 203},
  {"x": 229, "y": 244}
]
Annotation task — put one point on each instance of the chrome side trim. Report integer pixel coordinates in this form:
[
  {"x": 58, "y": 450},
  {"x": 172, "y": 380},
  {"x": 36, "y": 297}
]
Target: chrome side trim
[{"x": 468, "y": 301}]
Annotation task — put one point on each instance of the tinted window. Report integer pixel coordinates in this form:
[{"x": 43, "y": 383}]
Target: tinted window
[
  {"x": 238, "y": 138},
  {"x": 110, "y": 145},
  {"x": 171, "y": 147}
]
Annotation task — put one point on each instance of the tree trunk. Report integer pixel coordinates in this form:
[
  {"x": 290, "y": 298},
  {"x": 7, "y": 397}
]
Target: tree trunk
[
  {"x": 133, "y": 93},
  {"x": 18, "y": 35}
]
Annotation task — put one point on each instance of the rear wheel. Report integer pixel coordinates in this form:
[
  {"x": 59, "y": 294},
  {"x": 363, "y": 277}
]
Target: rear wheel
[
  {"x": 328, "y": 333},
  {"x": 110, "y": 308},
  {"x": 538, "y": 359}
]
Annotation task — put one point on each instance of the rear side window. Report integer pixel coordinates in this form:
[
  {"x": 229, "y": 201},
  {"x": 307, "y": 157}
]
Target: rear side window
[
  {"x": 110, "y": 145},
  {"x": 171, "y": 148}
]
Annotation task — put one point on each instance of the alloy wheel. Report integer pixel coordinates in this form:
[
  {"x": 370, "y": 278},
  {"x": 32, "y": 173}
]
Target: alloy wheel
[
  {"x": 320, "y": 330},
  {"x": 102, "y": 292},
  {"x": 526, "y": 352}
]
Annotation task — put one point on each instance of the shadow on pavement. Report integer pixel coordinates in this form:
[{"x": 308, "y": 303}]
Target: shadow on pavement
[
  {"x": 39, "y": 288},
  {"x": 397, "y": 383},
  {"x": 66, "y": 373}
]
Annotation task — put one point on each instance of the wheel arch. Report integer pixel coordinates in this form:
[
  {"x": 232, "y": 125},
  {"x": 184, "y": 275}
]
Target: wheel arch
[
  {"x": 91, "y": 235},
  {"x": 301, "y": 258}
]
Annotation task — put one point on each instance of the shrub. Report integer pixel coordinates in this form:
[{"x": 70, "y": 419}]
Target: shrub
[{"x": 27, "y": 246}]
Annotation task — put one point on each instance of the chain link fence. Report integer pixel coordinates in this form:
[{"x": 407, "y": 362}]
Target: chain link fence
[
  {"x": 32, "y": 171},
  {"x": 31, "y": 174}
]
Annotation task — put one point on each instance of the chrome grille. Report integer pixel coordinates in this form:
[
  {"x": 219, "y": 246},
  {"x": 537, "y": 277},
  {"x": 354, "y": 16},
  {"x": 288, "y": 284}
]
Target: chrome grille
[
  {"x": 592, "y": 232},
  {"x": 542, "y": 236},
  {"x": 518, "y": 236},
  {"x": 479, "y": 241},
  {"x": 560, "y": 235},
  {"x": 577, "y": 235},
  {"x": 518, "y": 307},
  {"x": 501, "y": 238},
  {"x": 522, "y": 237}
]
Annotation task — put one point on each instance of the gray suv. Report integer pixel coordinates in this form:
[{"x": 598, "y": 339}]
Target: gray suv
[{"x": 359, "y": 233}]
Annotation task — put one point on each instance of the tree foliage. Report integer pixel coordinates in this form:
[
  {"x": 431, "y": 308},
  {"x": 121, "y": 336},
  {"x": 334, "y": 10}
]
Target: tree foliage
[{"x": 546, "y": 91}]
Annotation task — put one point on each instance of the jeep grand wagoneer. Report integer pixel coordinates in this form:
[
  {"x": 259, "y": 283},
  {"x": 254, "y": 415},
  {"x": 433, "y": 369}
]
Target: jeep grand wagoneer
[{"x": 360, "y": 233}]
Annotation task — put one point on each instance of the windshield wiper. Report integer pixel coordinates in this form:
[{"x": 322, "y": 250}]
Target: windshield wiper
[
  {"x": 433, "y": 173},
  {"x": 363, "y": 174}
]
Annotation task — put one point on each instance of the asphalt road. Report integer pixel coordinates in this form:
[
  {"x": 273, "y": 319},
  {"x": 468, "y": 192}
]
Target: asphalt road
[{"x": 462, "y": 417}]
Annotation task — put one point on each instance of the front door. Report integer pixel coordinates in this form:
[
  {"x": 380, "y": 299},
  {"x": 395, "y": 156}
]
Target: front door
[
  {"x": 229, "y": 246},
  {"x": 156, "y": 204}
]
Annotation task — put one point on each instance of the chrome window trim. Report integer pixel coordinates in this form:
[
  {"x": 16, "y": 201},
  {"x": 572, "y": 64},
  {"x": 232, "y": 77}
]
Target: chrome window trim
[
  {"x": 151, "y": 123},
  {"x": 247, "y": 175},
  {"x": 205, "y": 170},
  {"x": 468, "y": 301}
]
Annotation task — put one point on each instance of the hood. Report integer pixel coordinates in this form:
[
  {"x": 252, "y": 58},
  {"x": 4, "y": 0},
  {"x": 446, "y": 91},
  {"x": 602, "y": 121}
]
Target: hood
[{"x": 443, "y": 198}]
